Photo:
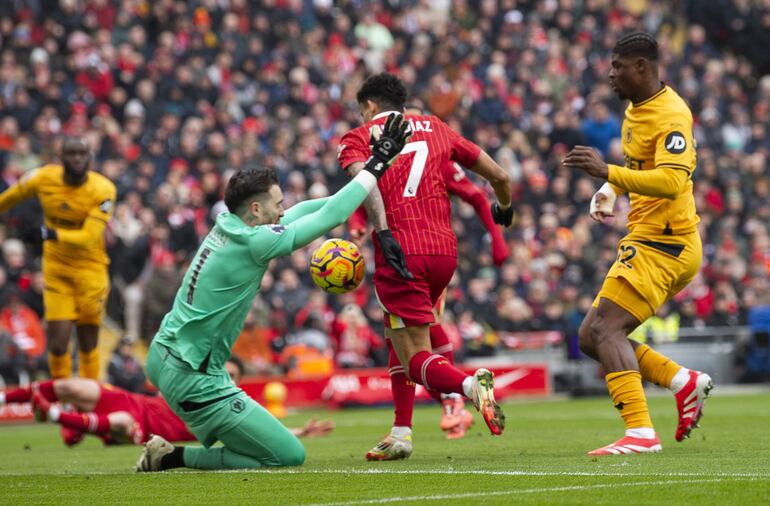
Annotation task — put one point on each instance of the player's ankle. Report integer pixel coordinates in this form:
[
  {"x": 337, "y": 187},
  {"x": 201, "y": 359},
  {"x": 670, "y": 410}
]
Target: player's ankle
[
  {"x": 641, "y": 432},
  {"x": 400, "y": 431},
  {"x": 679, "y": 380},
  {"x": 468, "y": 387},
  {"x": 173, "y": 460},
  {"x": 54, "y": 413}
]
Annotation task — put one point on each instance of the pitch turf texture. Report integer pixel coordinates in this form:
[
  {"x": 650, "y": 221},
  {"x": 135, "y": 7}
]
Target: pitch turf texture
[{"x": 540, "y": 460}]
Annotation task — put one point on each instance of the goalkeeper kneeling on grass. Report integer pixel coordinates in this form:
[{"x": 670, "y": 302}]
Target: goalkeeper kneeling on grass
[{"x": 186, "y": 358}]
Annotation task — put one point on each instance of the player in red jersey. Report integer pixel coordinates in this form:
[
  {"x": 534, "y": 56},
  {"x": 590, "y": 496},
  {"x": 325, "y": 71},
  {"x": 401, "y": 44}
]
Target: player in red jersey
[
  {"x": 455, "y": 419},
  {"x": 116, "y": 415},
  {"x": 412, "y": 209}
]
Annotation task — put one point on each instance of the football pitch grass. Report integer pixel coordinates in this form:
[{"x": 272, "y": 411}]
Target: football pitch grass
[{"x": 539, "y": 460}]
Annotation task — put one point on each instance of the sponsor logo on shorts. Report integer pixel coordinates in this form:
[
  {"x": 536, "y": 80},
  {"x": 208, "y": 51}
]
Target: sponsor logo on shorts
[{"x": 237, "y": 405}]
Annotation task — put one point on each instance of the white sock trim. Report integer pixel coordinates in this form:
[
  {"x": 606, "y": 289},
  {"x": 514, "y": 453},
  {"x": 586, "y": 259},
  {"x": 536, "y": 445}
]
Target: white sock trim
[
  {"x": 468, "y": 387},
  {"x": 400, "y": 431},
  {"x": 2, "y": 398},
  {"x": 54, "y": 413},
  {"x": 641, "y": 432},
  {"x": 679, "y": 380}
]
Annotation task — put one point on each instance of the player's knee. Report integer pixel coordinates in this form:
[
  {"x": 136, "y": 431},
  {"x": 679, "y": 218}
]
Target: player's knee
[
  {"x": 598, "y": 331},
  {"x": 294, "y": 455}
]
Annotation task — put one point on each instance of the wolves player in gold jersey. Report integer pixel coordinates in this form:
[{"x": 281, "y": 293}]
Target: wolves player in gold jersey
[
  {"x": 661, "y": 253},
  {"x": 77, "y": 204}
]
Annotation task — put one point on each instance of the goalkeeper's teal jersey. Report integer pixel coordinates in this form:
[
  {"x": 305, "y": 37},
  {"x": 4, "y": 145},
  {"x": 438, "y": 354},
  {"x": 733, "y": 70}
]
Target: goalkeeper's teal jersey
[
  {"x": 219, "y": 288},
  {"x": 224, "y": 277}
]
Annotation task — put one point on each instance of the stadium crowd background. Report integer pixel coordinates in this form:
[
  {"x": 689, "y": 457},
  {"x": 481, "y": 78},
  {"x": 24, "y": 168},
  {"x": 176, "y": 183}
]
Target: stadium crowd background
[{"x": 175, "y": 96}]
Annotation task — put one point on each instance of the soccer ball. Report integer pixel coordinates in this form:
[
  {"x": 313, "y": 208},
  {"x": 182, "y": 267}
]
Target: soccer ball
[{"x": 337, "y": 266}]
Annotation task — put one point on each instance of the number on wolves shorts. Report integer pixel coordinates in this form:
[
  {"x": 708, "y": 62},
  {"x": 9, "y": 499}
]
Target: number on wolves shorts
[{"x": 625, "y": 255}]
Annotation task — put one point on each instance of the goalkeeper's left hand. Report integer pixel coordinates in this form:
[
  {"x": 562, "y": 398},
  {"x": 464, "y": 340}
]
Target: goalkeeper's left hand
[
  {"x": 315, "y": 428},
  {"x": 48, "y": 234},
  {"x": 387, "y": 143}
]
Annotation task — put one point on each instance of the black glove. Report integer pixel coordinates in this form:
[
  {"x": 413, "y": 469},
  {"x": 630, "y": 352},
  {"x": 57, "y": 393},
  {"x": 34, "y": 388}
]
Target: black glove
[
  {"x": 387, "y": 143},
  {"x": 393, "y": 253},
  {"x": 48, "y": 234},
  {"x": 502, "y": 215}
]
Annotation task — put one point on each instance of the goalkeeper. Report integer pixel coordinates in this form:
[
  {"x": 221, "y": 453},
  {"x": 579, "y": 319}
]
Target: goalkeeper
[{"x": 186, "y": 359}]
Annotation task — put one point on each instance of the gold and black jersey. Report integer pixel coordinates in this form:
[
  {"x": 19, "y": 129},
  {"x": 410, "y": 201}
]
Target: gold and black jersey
[
  {"x": 657, "y": 133},
  {"x": 78, "y": 213}
]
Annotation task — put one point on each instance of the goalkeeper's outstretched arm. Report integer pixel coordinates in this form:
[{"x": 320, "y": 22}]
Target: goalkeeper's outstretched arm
[{"x": 334, "y": 211}]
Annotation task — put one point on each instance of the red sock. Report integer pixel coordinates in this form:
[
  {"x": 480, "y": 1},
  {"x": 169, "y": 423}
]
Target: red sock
[
  {"x": 46, "y": 388},
  {"x": 436, "y": 373},
  {"x": 23, "y": 394},
  {"x": 85, "y": 422},
  {"x": 402, "y": 390},
  {"x": 439, "y": 342}
]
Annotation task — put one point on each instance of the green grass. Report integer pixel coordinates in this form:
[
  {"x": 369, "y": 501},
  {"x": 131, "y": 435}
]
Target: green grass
[{"x": 540, "y": 460}]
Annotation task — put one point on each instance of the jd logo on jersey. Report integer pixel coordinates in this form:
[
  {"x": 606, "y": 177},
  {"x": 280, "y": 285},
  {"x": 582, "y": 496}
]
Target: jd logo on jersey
[
  {"x": 237, "y": 405},
  {"x": 675, "y": 143}
]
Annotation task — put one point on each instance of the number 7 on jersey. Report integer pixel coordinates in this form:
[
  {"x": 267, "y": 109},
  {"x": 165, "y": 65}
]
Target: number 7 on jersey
[{"x": 420, "y": 150}]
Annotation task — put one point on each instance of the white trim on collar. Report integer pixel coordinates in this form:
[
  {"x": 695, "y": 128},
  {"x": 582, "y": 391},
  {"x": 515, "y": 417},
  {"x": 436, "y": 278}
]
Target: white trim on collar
[{"x": 385, "y": 114}]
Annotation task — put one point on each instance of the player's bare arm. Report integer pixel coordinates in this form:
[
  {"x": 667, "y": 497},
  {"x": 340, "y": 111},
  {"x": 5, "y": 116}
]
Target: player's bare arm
[
  {"x": 487, "y": 167},
  {"x": 375, "y": 208},
  {"x": 662, "y": 182}
]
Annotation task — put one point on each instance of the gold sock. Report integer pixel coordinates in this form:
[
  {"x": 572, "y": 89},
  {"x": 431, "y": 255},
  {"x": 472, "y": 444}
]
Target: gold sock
[
  {"x": 60, "y": 366},
  {"x": 628, "y": 397},
  {"x": 89, "y": 364},
  {"x": 656, "y": 368}
]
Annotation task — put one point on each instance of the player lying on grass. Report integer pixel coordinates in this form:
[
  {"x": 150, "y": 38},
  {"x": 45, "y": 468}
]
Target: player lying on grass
[
  {"x": 116, "y": 415},
  {"x": 187, "y": 356},
  {"x": 661, "y": 253}
]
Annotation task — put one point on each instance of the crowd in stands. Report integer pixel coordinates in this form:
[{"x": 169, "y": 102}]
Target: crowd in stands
[{"x": 175, "y": 96}]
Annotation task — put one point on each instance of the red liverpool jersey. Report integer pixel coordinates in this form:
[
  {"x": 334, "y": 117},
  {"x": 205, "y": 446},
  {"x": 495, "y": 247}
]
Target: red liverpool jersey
[{"x": 414, "y": 189}]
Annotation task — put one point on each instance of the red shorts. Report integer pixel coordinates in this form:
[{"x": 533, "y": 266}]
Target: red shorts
[
  {"x": 409, "y": 302},
  {"x": 152, "y": 415}
]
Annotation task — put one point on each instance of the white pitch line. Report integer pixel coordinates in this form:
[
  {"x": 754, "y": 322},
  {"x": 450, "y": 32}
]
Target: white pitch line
[
  {"x": 474, "y": 495},
  {"x": 511, "y": 473}
]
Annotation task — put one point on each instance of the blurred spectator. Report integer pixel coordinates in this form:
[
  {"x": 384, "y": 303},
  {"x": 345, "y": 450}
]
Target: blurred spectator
[
  {"x": 124, "y": 370},
  {"x": 26, "y": 330},
  {"x": 357, "y": 344},
  {"x": 159, "y": 292},
  {"x": 253, "y": 347},
  {"x": 600, "y": 127}
]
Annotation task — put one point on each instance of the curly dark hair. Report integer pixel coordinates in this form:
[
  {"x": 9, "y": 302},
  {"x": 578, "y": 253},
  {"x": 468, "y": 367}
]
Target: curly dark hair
[
  {"x": 247, "y": 183},
  {"x": 637, "y": 44},
  {"x": 384, "y": 89}
]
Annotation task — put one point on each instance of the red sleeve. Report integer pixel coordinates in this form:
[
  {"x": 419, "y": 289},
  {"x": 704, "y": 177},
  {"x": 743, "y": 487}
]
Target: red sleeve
[
  {"x": 457, "y": 183},
  {"x": 473, "y": 195},
  {"x": 353, "y": 148},
  {"x": 464, "y": 151}
]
